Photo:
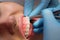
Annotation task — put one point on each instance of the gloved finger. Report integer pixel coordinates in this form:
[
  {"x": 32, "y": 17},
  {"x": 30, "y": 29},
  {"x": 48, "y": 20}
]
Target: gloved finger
[
  {"x": 38, "y": 23},
  {"x": 43, "y": 4},
  {"x": 28, "y": 7},
  {"x": 38, "y": 30},
  {"x": 37, "y": 27}
]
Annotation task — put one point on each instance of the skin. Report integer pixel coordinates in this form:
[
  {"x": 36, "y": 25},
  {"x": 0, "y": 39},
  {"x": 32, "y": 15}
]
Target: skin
[{"x": 10, "y": 12}]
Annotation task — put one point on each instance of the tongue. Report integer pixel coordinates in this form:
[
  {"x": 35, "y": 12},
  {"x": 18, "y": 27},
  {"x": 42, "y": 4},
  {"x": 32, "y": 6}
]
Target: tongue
[{"x": 25, "y": 27}]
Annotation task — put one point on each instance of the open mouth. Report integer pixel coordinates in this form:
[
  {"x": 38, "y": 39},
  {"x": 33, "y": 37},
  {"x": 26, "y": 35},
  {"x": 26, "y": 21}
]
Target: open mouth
[{"x": 25, "y": 27}]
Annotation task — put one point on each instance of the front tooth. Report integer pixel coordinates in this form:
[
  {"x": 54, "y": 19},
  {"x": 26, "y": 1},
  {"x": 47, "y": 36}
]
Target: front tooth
[
  {"x": 27, "y": 28},
  {"x": 26, "y": 34}
]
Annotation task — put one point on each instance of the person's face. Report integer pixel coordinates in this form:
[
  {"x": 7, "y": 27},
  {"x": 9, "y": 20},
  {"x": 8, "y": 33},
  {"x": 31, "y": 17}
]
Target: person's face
[{"x": 9, "y": 15}]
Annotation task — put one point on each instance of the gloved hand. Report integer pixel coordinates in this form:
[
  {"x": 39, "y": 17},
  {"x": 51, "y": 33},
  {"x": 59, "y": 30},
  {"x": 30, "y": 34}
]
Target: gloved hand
[
  {"x": 51, "y": 25},
  {"x": 28, "y": 9},
  {"x": 39, "y": 21}
]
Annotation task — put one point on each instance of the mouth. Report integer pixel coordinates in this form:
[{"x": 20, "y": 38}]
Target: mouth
[{"x": 25, "y": 27}]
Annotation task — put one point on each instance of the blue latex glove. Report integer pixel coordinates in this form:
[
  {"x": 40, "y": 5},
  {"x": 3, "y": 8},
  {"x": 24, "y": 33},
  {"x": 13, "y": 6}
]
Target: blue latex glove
[
  {"x": 36, "y": 24},
  {"x": 42, "y": 5},
  {"x": 28, "y": 7},
  {"x": 51, "y": 25}
]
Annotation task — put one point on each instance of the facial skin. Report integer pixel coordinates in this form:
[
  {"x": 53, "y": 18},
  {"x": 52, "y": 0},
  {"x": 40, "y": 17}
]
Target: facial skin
[
  {"x": 9, "y": 14},
  {"x": 9, "y": 9}
]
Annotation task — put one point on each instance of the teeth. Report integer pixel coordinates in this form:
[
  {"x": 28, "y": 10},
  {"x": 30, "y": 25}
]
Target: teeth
[
  {"x": 26, "y": 33},
  {"x": 27, "y": 27},
  {"x": 27, "y": 30}
]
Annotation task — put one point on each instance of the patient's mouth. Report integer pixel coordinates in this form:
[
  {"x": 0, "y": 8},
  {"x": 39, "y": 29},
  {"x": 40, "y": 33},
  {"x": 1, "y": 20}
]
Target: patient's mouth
[{"x": 25, "y": 27}]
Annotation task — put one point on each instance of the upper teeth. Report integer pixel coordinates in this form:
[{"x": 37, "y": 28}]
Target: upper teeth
[{"x": 27, "y": 26}]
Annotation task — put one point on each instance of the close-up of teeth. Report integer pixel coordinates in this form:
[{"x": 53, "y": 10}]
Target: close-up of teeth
[
  {"x": 27, "y": 30},
  {"x": 27, "y": 27}
]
